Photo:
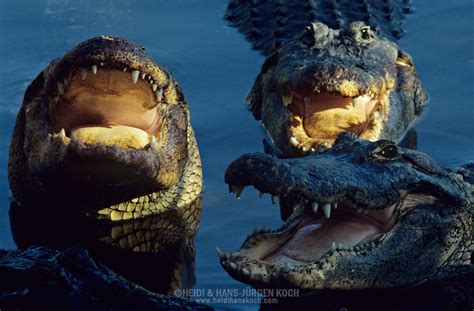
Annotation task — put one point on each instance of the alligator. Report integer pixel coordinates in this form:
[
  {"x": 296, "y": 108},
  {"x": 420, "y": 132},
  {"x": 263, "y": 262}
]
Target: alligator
[
  {"x": 156, "y": 251},
  {"x": 151, "y": 257},
  {"x": 105, "y": 127},
  {"x": 331, "y": 66},
  {"x": 358, "y": 215}
]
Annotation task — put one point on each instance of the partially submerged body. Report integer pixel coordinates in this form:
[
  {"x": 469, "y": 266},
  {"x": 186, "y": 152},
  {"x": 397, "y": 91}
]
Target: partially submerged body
[
  {"x": 105, "y": 126},
  {"x": 156, "y": 252}
]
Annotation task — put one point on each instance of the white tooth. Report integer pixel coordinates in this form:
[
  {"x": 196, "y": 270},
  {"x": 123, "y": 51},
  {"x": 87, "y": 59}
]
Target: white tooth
[
  {"x": 313, "y": 150},
  {"x": 286, "y": 99},
  {"x": 94, "y": 69},
  {"x": 359, "y": 210},
  {"x": 305, "y": 149},
  {"x": 334, "y": 205},
  {"x": 159, "y": 94},
  {"x": 62, "y": 133},
  {"x": 238, "y": 191},
  {"x": 220, "y": 253},
  {"x": 245, "y": 271},
  {"x": 154, "y": 87},
  {"x": 125, "y": 69},
  {"x": 307, "y": 101},
  {"x": 153, "y": 142},
  {"x": 143, "y": 75},
  {"x": 327, "y": 210},
  {"x": 152, "y": 82},
  {"x": 60, "y": 88},
  {"x": 293, "y": 141},
  {"x": 232, "y": 265},
  {"x": 83, "y": 73},
  {"x": 274, "y": 198},
  {"x": 315, "y": 207},
  {"x": 333, "y": 246},
  {"x": 135, "y": 75},
  {"x": 102, "y": 64}
]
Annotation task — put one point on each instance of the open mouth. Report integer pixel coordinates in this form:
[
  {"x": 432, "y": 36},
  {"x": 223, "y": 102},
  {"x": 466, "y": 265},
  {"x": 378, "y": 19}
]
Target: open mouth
[
  {"x": 316, "y": 228},
  {"x": 313, "y": 233},
  {"x": 315, "y": 120},
  {"x": 108, "y": 106}
]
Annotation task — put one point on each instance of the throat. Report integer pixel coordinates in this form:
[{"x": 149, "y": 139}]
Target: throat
[
  {"x": 325, "y": 115},
  {"x": 106, "y": 105}
]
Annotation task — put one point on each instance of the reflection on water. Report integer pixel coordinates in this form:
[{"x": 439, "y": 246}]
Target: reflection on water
[{"x": 156, "y": 252}]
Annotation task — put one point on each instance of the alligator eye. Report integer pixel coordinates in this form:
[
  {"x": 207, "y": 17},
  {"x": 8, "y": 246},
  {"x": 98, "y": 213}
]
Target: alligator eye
[
  {"x": 386, "y": 152},
  {"x": 365, "y": 33}
]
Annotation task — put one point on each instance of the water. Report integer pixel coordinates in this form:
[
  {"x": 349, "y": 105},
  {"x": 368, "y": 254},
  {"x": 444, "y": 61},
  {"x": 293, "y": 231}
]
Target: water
[{"x": 216, "y": 67}]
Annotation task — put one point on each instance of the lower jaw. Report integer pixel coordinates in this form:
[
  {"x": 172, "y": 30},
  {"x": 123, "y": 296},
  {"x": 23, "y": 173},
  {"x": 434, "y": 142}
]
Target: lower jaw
[
  {"x": 81, "y": 171},
  {"x": 114, "y": 135},
  {"x": 307, "y": 240},
  {"x": 297, "y": 140}
]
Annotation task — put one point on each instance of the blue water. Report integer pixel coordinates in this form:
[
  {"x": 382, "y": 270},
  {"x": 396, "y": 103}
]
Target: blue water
[{"x": 216, "y": 67}]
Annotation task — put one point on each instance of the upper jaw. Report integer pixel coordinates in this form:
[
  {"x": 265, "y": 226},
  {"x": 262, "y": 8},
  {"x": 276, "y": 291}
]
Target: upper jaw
[
  {"x": 323, "y": 179},
  {"x": 58, "y": 83},
  {"x": 295, "y": 201},
  {"x": 110, "y": 52}
]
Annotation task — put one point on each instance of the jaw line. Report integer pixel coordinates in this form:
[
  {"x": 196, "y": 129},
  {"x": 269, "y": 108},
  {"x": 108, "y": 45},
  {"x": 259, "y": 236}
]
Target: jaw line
[{"x": 249, "y": 268}]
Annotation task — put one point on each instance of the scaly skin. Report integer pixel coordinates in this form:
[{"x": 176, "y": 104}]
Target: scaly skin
[
  {"x": 331, "y": 66},
  {"x": 144, "y": 250},
  {"x": 108, "y": 128},
  {"x": 395, "y": 218}
]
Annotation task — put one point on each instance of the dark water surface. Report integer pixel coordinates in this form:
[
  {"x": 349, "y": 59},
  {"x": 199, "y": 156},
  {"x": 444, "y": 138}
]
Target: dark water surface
[{"x": 216, "y": 67}]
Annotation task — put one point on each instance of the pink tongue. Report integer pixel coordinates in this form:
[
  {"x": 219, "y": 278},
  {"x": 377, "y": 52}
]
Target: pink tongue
[{"x": 315, "y": 236}]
